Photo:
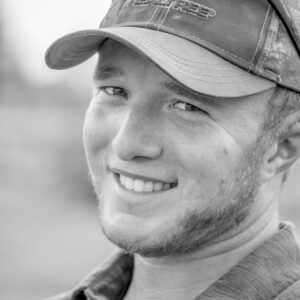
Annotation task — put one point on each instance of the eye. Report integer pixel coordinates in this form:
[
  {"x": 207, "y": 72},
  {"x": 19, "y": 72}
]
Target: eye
[
  {"x": 181, "y": 105},
  {"x": 114, "y": 91}
]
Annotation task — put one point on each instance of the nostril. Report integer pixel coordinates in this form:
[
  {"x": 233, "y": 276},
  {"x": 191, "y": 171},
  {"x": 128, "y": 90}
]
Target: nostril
[{"x": 137, "y": 137}]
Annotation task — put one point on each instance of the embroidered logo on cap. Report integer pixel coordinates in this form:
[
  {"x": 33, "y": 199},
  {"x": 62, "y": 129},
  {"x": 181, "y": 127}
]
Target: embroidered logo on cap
[{"x": 184, "y": 6}]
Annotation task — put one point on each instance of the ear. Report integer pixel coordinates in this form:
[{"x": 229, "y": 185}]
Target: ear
[{"x": 282, "y": 153}]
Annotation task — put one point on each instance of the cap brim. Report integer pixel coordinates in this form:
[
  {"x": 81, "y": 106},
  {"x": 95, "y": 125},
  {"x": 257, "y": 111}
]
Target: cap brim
[{"x": 190, "y": 64}]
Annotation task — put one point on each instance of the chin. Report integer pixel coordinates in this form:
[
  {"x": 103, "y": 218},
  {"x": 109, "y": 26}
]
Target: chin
[
  {"x": 125, "y": 233},
  {"x": 135, "y": 235}
]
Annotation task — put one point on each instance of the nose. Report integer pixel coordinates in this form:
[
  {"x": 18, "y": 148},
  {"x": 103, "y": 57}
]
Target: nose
[{"x": 138, "y": 136}]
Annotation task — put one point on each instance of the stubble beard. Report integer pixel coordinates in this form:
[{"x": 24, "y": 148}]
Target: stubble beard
[{"x": 196, "y": 230}]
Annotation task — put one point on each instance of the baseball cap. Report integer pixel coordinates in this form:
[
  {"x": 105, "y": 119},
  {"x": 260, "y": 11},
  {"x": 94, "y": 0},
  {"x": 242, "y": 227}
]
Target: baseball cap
[{"x": 222, "y": 48}]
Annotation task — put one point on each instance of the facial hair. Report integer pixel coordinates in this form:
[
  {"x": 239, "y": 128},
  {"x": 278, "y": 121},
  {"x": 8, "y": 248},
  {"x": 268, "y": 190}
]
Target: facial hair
[{"x": 195, "y": 229}]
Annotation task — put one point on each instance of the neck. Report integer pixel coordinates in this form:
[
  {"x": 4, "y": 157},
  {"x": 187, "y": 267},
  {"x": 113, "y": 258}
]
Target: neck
[{"x": 186, "y": 276}]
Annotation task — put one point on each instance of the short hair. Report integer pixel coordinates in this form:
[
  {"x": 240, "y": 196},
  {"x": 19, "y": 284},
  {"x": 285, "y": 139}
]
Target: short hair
[{"x": 282, "y": 103}]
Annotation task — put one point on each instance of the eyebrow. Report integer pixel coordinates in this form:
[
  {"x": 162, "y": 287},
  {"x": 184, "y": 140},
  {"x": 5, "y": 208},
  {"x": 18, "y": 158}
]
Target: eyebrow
[
  {"x": 192, "y": 95},
  {"x": 106, "y": 72}
]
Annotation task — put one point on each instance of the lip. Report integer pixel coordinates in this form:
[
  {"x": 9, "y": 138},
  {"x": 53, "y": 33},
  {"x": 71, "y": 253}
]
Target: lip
[{"x": 118, "y": 172}]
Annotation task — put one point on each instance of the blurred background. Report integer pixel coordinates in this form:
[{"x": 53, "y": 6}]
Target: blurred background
[{"x": 49, "y": 233}]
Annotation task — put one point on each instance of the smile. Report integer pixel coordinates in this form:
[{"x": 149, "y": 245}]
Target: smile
[{"x": 139, "y": 185}]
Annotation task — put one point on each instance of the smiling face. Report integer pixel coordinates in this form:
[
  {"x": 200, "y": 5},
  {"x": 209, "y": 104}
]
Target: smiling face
[{"x": 173, "y": 170}]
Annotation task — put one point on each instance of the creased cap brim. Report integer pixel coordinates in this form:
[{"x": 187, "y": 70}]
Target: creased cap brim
[{"x": 190, "y": 64}]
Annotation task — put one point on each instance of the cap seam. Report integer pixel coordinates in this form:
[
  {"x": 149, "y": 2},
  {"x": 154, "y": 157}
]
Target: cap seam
[
  {"x": 163, "y": 20},
  {"x": 189, "y": 72},
  {"x": 260, "y": 37},
  {"x": 269, "y": 41},
  {"x": 149, "y": 21},
  {"x": 284, "y": 7},
  {"x": 179, "y": 57},
  {"x": 219, "y": 48},
  {"x": 175, "y": 56}
]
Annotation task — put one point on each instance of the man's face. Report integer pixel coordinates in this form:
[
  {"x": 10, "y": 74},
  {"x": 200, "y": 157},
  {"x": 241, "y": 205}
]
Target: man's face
[{"x": 172, "y": 169}]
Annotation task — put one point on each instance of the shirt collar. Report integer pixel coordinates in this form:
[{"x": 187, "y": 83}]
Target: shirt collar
[{"x": 109, "y": 282}]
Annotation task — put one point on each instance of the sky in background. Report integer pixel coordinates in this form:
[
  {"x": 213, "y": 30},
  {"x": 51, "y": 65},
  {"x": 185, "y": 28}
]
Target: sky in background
[{"x": 31, "y": 26}]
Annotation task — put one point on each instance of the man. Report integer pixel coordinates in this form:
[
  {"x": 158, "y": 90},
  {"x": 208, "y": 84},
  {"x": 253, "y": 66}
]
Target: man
[{"x": 192, "y": 129}]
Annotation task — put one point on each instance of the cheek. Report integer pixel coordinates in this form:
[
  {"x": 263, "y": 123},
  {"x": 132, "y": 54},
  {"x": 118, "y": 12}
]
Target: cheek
[
  {"x": 200, "y": 159},
  {"x": 98, "y": 132},
  {"x": 205, "y": 163},
  {"x": 95, "y": 133}
]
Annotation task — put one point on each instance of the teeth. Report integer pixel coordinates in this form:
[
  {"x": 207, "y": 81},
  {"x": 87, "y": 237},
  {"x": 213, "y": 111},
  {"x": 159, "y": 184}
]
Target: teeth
[
  {"x": 128, "y": 183},
  {"x": 158, "y": 186},
  {"x": 122, "y": 180},
  {"x": 139, "y": 185},
  {"x": 148, "y": 186},
  {"x": 166, "y": 186}
]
